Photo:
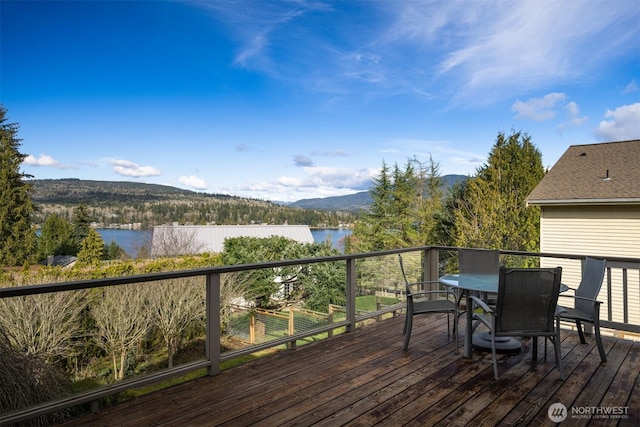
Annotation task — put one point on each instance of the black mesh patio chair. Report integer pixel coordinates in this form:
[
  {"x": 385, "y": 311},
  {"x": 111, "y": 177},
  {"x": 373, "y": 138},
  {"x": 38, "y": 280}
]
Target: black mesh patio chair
[
  {"x": 421, "y": 301},
  {"x": 526, "y": 307},
  {"x": 480, "y": 261},
  {"x": 586, "y": 308}
]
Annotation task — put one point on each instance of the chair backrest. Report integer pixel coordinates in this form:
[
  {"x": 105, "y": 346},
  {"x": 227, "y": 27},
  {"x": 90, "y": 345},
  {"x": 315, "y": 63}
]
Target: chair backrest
[
  {"x": 479, "y": 261},
  {"x": 527, "y": 300},
  {"x": 404, "y": 275},
  {"x": 590, "y": 283}
]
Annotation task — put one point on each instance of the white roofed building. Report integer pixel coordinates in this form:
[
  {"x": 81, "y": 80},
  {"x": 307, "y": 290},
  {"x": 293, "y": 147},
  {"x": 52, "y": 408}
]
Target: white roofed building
[{"x": 171, "y": 240}]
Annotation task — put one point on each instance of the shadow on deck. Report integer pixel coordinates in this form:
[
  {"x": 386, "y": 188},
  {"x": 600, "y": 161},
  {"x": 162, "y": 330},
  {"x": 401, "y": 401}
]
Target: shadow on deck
[{"x": 365, "y": 378}]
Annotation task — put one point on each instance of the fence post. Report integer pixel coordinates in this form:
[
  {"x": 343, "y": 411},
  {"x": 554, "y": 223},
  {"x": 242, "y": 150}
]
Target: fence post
[
  {"x": 252, "y": 327},
  {"x": 213, "y": 323},
  {"x": 292, "y": 344},
  {"x": 330, "y": 319}
]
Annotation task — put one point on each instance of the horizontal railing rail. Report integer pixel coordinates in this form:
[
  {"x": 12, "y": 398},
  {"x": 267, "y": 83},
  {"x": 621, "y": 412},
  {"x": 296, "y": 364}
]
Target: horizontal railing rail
[{"x": 432, "y": 266}]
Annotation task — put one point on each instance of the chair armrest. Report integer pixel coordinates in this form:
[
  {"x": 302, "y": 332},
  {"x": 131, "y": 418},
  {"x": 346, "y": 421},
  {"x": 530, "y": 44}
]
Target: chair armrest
[
  {"x": 481, "y": 304},
  {"x": 595, "y": 301},
  {"x": 413, "y": 294},
  {"x": 559, "y": 310},
  {"x": 439, "y": 291}
]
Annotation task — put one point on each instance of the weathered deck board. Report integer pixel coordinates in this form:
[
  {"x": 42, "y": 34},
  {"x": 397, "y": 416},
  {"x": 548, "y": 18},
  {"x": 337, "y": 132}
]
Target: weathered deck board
[{"x": 364, "y": 378}]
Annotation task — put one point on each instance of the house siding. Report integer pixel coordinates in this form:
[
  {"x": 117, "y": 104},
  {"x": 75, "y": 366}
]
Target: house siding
[{"x": 601, "y": 232}]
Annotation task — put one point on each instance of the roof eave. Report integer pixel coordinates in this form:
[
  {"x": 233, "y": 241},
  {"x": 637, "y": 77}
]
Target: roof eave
[{"x": 557, "y": 202}]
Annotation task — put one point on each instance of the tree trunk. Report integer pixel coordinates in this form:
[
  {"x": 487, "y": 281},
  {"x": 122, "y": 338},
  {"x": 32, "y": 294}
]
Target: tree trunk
[
  {"x": 171, "y": 352},
  {"x": 115, "y": 366},
  {"x": 123, "y": 360}
]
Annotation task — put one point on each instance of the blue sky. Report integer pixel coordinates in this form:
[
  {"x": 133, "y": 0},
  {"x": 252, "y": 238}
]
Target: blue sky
[{"x": 287, "y": 100}]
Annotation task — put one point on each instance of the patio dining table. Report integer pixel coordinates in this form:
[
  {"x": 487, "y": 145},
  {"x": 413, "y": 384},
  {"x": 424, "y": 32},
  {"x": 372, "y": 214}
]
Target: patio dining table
[
  {"x": 479, "y": 284},
  {"x": 482, "y": 284}
]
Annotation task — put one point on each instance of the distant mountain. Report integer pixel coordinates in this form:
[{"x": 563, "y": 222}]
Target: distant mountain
[
  {"x": 350, "y": 202},
  {"x": 358, "y": 201}
]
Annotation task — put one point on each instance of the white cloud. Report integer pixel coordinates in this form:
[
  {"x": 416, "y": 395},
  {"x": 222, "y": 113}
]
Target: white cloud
[
  {"x": 631, "y": 87},
  {"x": 572, "y": 116},
  {"x": 538, "y": 109},
  {"x": 193, "y": 182},
  {"x": 461, "y": 51},
  {"x": 339, "y": 177},
  {"x": 129, "y": 168},
  {"x": 458, "y": 162},
  {"x": 44, "y": 160},
  {"x": 316, "y": 182},
  {"x": 621, "y": 124}
]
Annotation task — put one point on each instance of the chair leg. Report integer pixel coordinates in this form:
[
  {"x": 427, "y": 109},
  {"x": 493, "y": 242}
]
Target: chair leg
[
  {"x": 603, "y": 355},
  {"x": 579, "y": 326},
  {"x": 407, "y": 334},
  {"x": 557, "y": 346},
  {"x": 494, "y": 356}
]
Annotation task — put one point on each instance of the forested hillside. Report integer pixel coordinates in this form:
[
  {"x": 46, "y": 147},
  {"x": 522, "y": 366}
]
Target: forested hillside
[{"x": 115, "y": 202}]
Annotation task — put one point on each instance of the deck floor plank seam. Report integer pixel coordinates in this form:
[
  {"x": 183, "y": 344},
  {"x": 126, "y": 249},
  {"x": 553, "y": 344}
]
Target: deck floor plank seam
[{"x": 364, "y": 378}]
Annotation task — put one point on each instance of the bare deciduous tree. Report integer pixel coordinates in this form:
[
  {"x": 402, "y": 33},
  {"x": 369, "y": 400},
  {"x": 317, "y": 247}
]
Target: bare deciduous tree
[
  {"x": 122, "y": 319},
  {"x": 169, "y": 240},
  {"x": 175, "y": 305},
  {"x": 27, "y": 380},
  {"x": 45, "y": 325}
]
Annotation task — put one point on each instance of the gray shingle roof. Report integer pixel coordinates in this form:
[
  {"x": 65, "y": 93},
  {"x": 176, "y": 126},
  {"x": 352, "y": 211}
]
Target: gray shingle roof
[{"x": 607, "y": 173}]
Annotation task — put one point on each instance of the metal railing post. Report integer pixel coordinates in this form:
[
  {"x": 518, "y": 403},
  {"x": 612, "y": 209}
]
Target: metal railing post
[
  {"x": 430, "y": 267},
  {"x": 351, "y": 294},
  {"x": 213, "y": 323}
]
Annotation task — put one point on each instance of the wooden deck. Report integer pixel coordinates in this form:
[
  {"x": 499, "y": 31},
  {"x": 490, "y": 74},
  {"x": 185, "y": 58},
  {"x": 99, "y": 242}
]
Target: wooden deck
[{"x": 364, "y": 378}]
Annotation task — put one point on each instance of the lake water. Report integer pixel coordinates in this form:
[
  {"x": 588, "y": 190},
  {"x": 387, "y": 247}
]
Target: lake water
[{"x": 132, "y": 240}]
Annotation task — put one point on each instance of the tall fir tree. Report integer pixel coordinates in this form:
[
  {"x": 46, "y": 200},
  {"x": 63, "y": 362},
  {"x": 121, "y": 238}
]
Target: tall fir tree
[
  {"x": 81, "y": 223},
  {"x": 490, "y": 211},
  {"x": 17, "y": 235},
  {"x": 405, "y": 205}
]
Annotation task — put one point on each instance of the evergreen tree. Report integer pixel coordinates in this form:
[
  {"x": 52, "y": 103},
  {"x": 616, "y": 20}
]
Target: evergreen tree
[
  {"x": 406, "y": 204},
  {"x": 17, "y": 236},
  {"x": 91, "y": 249},
  {"x": 491, "y": 210},
  {"x": 113, "y": 251},
  {"x": 432, "y": 203},
  {"x": 369, "y": 233},
  {"x": 81, "y": 223},
  {"x": 56, "y": 238}
]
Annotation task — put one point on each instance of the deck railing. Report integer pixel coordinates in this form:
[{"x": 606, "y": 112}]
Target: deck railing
[{"x": 621, "y": 306}]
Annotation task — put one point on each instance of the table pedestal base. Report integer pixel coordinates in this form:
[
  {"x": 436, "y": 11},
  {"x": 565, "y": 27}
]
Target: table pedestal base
[{"x": 482, "y": 341}]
